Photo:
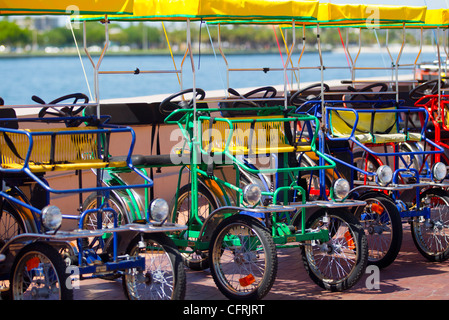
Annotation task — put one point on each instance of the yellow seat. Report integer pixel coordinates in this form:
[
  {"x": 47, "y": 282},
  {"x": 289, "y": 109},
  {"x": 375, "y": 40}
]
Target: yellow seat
[
  {"x": 60, "y": 149},
  {"x": 384, "y": 129},
  {"x": 249, "y": 137}
]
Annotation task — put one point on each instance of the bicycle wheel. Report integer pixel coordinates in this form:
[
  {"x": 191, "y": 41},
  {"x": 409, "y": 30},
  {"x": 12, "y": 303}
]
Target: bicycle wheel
[
  {"x": 242, "y": 258},
  {"x": 91, "y": 221},
  {"x": 38, "y": 273},
  {"x": 431, "y": 236},
  {"x": 338, "y": 264},
  {"x": 381, "y": 220},
  {"x": 193, "y": 259},
  {"x": 312, "y": 181},
  {"x": 366, "y": 162},
  {"x": 11, "y": 225},
  {"x": 164, "y": 276},
  {"x": 102, "y": 244}
]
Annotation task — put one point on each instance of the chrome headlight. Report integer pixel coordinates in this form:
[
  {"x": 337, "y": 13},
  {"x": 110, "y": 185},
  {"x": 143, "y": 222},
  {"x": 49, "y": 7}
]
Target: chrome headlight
[
  {"x": 252, "y": 194},
  {"x": 51, "y": 217},
  {"x": 159, "y": 210},
  {"x": 384, "y": 175},
  {"x": 341, "y": 188},
  {"x": 439, "y": 172}
]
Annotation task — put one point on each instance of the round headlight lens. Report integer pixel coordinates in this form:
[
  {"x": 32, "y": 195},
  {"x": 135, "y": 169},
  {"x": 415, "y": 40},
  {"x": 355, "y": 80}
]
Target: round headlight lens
[
  {"x": 384, "y": 175},
  {"x": 252, "y": 194},
  {"x": 341, "y": 188},
  {"x": 439, "y": 171},
  {"x": 51, "y": 217},
  {"x": 159, "y": 210}
]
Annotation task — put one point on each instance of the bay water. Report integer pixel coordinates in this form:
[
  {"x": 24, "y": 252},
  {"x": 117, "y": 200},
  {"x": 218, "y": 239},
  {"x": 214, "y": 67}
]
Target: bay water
[{"x": 54, "y": 76}]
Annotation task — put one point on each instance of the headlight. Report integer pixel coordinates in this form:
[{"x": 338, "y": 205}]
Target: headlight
[
  {"x": 252, "y": 194},
  {"x": 51, "y": 217},
  {"x": 341, "y": 188},
  {"x": 384, "y": 175},
  {"x": 439, "y": 171},
  {"x": 159, "y": 210}
]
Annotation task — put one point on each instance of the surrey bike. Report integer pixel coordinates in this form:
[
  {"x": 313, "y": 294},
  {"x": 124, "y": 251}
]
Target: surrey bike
[
  {"x": 374, "y": 128},
  {"x": 41, "y": 256},
  {"x": 233, "y": 222}
]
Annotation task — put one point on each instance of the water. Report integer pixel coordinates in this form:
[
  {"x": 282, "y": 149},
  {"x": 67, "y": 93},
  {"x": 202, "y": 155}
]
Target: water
[{"x": 52, "y": 77}]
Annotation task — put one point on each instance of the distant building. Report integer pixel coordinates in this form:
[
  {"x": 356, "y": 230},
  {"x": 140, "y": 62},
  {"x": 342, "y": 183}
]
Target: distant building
[{"x": 43, "y": 23}]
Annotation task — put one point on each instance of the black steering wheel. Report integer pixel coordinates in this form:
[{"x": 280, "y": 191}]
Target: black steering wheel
[
  {"x": 247, "y": 100},
  {"x": 302, "y": 96},
  {"x": 268, "y": 93},
  {"x": 426, "y": 89},
  {"x": 167, "y": 106},
  {"x": 363, "y": 95},
  {"x": 68, "y": 111}
]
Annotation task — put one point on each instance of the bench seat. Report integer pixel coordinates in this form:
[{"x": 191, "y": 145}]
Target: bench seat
[
  {"x": 55, "y": 149},
  {"x": 383, "y": 129},
  {"x": 250, "y": 136}
]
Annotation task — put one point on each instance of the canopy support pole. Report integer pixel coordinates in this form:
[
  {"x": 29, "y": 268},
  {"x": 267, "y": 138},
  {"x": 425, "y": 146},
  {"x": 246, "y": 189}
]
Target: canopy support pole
[
  {"x": 96, "y": 66},
  {"x": 290, "y": 52},
  {"x": 220, "y": 48}
]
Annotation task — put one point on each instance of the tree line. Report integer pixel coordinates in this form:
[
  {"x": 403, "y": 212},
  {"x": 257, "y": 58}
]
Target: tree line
[{"x": 139, "y": 35}]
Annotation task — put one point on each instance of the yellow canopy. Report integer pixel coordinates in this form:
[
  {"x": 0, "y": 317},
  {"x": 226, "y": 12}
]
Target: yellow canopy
[
  {"x": 434, "y": 18},
  {"x": 65, "y": 7},
  {"x": 338, "y": 15},
  {"x": 369, "y": 14},
  {"x": 180, "y": 10},
  {"x": 411, "y": 17},
  {"x": 437, "y": 18}
]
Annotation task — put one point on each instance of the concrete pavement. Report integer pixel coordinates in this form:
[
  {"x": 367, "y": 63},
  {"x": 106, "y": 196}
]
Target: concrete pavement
[{"x": 410, "y": 277}]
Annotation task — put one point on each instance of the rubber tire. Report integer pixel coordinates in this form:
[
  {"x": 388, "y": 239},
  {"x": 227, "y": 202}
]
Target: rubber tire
[
  {"x": 56, "y": 260},
  {"x": 270, "y": 252},
  {"x": 396, "y": 227},
  {"x": 180, "y": 282},
  {"x": 443, "y": 256},
  {"x": 361, "y": 245}
]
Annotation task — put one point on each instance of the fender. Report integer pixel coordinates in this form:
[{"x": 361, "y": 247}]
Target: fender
[
  {"x": 217, "y": 216},
  {"x": 217, "y": 192},
  {"x": 25, "y": 214}
]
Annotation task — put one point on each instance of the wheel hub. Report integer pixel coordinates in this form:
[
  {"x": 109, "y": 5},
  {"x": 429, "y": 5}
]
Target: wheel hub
[
  {"x": 331, "y": 248},
  {"x": 438, "y": 225},
  {"x": 377, "y": 229},
  {"x": 147, "y": 278},
  {"x": 40, "y": 293},
  {"x": 244, "y": 258}
]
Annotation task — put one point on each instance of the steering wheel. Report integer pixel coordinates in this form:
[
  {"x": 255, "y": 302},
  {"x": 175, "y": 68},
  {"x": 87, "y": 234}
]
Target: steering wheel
[
  {"x": 269, "y": 92},
  {"x": 366, "y": 96},
  {"x": 68, "y": 111},
  {"x": 425, "y": 89},
  {"x": 167, "y": 106},
  {"x": 302, "y": 96}
]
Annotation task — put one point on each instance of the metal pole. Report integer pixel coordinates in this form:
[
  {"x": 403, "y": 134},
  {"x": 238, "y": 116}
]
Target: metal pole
[
  {"x": 225, "y": 60},
  {"x": 286, "y": 64},
  {"x": 193, "y": 140}
]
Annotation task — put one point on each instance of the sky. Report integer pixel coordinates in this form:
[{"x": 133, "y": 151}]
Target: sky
[{"x": 431, "y": 4}]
